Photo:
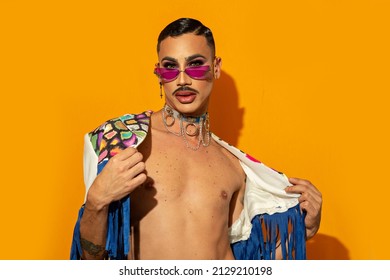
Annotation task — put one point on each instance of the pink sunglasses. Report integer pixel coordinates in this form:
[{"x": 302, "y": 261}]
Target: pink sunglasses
[{"x": 170, "y": 74}]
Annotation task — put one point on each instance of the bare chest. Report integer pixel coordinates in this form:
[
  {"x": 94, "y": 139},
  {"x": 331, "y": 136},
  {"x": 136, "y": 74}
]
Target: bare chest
[{"x": 181, "y": 178}]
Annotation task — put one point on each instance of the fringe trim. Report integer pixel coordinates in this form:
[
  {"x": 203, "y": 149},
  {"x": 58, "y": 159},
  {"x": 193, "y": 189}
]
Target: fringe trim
[
  {"x": 118, "y": 229},
  {"x": 285, "y": 229},
  {"x": 118, "y": 232},
  {"x": 75, "y": 252}
]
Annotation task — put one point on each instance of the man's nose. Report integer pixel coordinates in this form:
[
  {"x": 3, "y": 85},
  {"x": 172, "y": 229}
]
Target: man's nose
[{"x": 183, "y": 79}]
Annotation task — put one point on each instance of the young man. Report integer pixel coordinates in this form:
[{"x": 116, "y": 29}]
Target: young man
[{"x": 192, "y": 195}]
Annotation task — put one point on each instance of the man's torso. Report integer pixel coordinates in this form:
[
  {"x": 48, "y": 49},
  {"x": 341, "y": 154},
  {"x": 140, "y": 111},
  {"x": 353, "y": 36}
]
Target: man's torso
[{"x": 184, "y": 209}]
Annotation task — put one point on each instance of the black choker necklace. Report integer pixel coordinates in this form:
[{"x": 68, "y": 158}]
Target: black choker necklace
[{"x": 195, "y": 126}]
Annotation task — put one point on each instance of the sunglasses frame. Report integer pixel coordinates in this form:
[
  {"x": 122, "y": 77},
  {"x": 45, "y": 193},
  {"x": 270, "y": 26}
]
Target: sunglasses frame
[{"x": 161, "y": 71}]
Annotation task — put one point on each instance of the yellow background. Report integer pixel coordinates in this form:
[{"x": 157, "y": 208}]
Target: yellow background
[{"x": 305, "y": 89}]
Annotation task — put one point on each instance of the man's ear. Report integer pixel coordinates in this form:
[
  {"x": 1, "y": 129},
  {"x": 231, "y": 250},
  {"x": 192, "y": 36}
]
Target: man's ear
[
  {"x": 157, "y": 75},
  {"x": 217, "y": 67}
]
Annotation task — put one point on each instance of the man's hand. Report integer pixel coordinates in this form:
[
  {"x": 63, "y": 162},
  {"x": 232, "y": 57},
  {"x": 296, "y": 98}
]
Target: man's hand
[
  {"x": 310, "y": 201},
  {"x": 121, "y": 175}
]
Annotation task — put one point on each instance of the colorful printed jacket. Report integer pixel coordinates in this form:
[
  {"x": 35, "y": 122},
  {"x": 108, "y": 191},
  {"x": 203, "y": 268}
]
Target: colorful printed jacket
[{"x": 270, "y": 217}]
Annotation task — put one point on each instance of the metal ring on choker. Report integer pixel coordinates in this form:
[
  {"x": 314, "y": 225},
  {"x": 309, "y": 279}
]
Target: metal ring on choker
[
  {"x": 199, "y": 125},
  {"x": 172, "y": 122},
  {"x": 195, "y": 133}
]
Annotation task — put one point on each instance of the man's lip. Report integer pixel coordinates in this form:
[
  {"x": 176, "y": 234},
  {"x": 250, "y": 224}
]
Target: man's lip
[
  {"x": 184, "y": 93},
  {"x": 186, "y": 99}
]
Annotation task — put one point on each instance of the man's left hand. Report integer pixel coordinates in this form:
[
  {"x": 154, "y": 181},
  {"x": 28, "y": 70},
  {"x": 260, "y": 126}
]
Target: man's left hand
[{"x": 310, "y": 201}]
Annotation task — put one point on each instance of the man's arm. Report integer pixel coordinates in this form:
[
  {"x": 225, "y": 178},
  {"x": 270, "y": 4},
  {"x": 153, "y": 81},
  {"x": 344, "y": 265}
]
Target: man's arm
[
  {"x": 93, "y": 231},
  {"x": 121, "y": 175},
  {"x": 310, "y": 201}
]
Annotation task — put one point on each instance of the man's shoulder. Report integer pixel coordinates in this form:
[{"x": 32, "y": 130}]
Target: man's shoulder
[
  {"x": 119, "y": 133},
  {"x": 124, "y": 122}
]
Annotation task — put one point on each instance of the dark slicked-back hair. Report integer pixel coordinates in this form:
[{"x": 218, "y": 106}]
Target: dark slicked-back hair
[{"x": 186, "y": 25}]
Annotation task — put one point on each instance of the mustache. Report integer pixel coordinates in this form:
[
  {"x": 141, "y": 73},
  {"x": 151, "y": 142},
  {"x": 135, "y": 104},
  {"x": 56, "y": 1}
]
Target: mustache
[{"x": 184, "y": 89}]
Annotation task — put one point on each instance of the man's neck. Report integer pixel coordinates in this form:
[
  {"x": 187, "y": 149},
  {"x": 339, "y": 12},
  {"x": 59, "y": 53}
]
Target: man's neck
[{"x": 187, "y": 127}]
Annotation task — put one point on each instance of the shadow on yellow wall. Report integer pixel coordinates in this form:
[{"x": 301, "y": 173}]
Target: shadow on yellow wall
[
  {"x": 225, "y": 113},
  {"x": 325, "y": 247},
  {"x": 227, "y": 121}
]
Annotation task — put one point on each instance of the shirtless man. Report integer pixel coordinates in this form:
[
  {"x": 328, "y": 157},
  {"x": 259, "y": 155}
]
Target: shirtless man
[{"x": 186, "y": 189}]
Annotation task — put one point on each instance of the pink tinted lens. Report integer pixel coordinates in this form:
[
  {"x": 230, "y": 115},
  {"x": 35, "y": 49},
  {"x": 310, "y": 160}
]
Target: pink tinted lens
[
  {"x": 198, "y": 72},
  {"x": 167, "y": 74}
]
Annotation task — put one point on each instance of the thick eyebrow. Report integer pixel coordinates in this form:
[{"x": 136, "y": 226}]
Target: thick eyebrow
[
  {"x": 169, "y": 59},
  {"x": 191, "y": 57}
]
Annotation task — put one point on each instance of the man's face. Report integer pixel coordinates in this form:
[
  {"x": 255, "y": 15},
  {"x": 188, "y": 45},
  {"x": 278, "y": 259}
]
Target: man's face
[{"x": 186, "y": 94}]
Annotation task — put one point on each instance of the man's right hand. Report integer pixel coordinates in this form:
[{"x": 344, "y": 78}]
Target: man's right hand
[{"x": 122, "y": 174}]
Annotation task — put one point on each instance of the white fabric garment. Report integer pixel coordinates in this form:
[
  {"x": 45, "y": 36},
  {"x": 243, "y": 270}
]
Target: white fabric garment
[{"x": 264, "y": 193}]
